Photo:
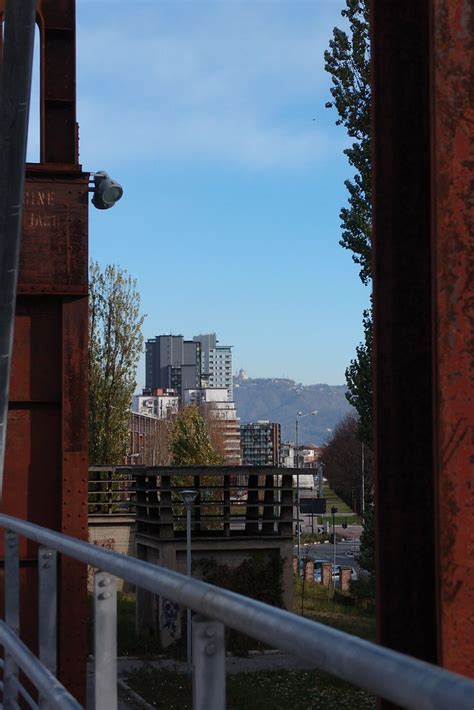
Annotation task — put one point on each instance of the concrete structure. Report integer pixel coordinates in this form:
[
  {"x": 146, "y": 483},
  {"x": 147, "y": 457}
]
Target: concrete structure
[
  {"x": 309, "y": 455},
  {"x": 224, "y": 414},
  {"x": 216, "y": 364},
  {"x": 161, "y": 403},
  {"x": 227, "y": 527},
  {"x": 173, "y": 363},
  {"x": 260, "y": 443}
]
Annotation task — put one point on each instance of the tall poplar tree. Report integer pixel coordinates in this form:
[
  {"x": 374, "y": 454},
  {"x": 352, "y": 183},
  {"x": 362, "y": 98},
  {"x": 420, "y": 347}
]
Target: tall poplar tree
[
  {"x": 348, "y": 62},
  {"x": 115, "y": 344}
]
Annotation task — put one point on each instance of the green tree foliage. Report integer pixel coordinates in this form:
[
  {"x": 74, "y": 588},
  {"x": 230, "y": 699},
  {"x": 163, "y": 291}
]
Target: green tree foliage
[
  {"x": 366, "y": 557},
  {"x": 359, "y": 383},
  {"x": 115, "y": 344},
  {"x": 190, "y": 441},
  {"x": 348, "y": 62}
]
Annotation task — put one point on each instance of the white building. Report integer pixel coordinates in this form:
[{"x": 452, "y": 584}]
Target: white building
[
  {"x": 214, "y": 401},
  {"x": 216, "y": 364},
  {"x": 159, "y": 403}
]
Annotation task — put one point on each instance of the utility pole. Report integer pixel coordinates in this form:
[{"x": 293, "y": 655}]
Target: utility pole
[
  {"x": 299, "y": 415},
  {"x": 362, "y": 503},
  {"x": 334, "y": 511}
]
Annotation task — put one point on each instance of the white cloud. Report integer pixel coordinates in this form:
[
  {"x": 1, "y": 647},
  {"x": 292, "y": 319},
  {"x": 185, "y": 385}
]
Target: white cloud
[{"x": 229, "y": 81}]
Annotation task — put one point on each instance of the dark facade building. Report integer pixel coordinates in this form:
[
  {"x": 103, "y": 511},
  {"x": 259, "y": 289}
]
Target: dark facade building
[
  {"x": 260, "y": 443},
  {"x": 173, "y": 363}
]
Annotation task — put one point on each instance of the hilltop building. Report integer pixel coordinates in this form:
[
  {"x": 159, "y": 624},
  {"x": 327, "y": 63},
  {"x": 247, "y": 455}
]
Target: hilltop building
[{"x": 260, "y": 443}]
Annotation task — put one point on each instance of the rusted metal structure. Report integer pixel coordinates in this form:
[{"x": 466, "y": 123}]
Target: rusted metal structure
[
  {"x": 423, "y": 79},
  {"x": 46, "y": 455}
]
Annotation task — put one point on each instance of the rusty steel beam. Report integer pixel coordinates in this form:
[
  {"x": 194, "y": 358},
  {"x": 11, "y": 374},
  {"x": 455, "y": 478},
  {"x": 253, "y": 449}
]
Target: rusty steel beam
[
  {"x": 453, "y": 253},
  {"x": 423, "y": 162},
  {"x": 403, "y": 342},
  {"x": 15, "y": 89},
  {"x": 46, "y": 470}
]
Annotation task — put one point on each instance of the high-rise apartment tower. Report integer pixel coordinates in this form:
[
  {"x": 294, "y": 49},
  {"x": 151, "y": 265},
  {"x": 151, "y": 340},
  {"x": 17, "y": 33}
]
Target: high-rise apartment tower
[
  {"x": 216, "y": 364},
  {"x": 173, "y": 363}
]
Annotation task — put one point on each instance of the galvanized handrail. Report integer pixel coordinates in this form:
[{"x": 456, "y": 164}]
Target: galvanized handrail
[
  {"x": 49, "y": 687},
  {"x": 403, "y": 680}
]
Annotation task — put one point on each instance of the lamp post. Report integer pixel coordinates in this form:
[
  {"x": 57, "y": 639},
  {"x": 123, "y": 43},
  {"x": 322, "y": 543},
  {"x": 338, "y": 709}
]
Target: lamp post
[
  {"x": 299, "y": 415},
  {"x": 188, "y": 496},
  {"x": 334, "y": 511}
]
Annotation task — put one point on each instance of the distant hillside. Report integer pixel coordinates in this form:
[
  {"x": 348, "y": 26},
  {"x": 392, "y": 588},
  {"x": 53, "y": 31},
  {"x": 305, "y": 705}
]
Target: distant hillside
[{"x": 280, "y": 399}]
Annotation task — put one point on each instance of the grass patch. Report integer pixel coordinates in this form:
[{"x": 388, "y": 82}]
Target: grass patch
[
  {"x": 275, "y": 690},
  {"x": 129, "y": 643},
  {"x": 322, "y": 605},
  {"x": 269, "y": 690}
]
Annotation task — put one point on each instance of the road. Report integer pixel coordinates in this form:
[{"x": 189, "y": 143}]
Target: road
[{"x": 345, "y": 553}]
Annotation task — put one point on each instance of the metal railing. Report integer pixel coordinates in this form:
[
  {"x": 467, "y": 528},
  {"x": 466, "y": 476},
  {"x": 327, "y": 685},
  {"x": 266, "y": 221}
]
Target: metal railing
[
  {"x": 111, "y": 491},
  {"x": 400, "y": 679}
]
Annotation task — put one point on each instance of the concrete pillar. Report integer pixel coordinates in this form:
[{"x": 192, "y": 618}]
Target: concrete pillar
[{"x": 309, "y": 570}]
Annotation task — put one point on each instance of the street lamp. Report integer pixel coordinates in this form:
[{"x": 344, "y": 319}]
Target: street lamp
[
  {"x": 188, "y": 496},
  {"x": 106, "y": 190},
  {"x": 334, "y": 511},
  {"x": 299, "y": 415}
]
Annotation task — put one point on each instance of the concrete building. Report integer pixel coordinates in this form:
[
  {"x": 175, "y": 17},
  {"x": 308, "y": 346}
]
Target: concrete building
[
  {"x": 223, "y": 413},
  {"x": 287, "y": 454},
  {"x": 173, "y": 363},
  {"x": 260, "y": 443},
  {"x": 216, "y": 363},
  {"x": 161, "y": 403},
  {"x": 144, "y": 440}
]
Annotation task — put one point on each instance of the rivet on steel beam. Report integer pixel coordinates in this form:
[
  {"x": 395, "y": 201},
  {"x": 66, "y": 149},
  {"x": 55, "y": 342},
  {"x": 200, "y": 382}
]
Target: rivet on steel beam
[
  {"x": 104, "y": 595},
  {"x": 211, "y": 649},
  {"x": 46, "y": 565},
  {"x": 47, "y": 555},
  {"x": 105, "y": 582},
  {"x": 209, "y": 632}
]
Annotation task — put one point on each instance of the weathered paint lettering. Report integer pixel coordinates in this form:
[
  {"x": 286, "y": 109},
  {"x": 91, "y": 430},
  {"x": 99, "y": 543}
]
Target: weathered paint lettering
[{"x": 38, "y": 198}]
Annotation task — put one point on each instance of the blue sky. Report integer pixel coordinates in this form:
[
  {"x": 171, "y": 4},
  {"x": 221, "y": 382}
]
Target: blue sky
[{"x": 211, "y": 114}]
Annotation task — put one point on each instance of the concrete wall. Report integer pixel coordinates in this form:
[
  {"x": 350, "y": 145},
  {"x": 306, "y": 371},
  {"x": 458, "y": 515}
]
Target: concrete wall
[
  {"x": 228, "y": 551},
  {"x": 115, "y": 533}
]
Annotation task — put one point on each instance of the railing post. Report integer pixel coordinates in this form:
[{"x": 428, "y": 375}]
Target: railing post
[
  {"x": 226, "y": 484},
  {"x": 12, "y": 616},
  {"x": 47, "y": 608},
  {"x": 208, "y": 664},
  {"x": 105, "y": 641},
  {"x": 109, "y": 491}
]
